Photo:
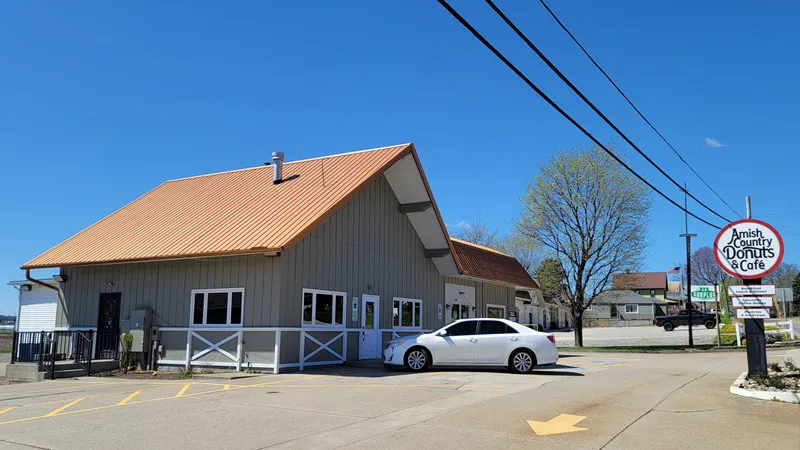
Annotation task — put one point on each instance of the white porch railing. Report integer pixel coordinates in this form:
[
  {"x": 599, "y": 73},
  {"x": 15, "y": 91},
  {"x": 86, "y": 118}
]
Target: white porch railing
[
  {"x": 783, "y": 326},
  {"x": 236, "y": 361}
]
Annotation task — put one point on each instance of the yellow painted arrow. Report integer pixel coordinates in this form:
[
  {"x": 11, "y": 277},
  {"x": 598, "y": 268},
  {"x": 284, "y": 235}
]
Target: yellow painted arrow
[{"x": 564, "y": 423}]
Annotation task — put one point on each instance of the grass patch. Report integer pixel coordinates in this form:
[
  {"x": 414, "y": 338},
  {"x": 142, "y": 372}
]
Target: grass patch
[{"x": 5, "y": 350}]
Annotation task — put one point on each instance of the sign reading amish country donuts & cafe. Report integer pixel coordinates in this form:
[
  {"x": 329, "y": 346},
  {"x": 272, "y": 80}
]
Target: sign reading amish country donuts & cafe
[{"x": 748, "y": 249}]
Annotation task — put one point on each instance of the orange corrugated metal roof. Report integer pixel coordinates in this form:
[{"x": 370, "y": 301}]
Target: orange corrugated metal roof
[
  {"x": 489, "y": 264},
  {"x": 234, "y": 212}
]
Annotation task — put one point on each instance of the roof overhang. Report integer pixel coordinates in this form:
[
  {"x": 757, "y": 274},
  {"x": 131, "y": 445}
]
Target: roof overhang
[{"x": 416, "y": 201}]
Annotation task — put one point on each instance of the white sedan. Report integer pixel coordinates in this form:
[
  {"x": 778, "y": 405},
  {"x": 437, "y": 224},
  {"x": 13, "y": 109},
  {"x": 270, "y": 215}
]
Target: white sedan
[{"x": 474, "y": 342}]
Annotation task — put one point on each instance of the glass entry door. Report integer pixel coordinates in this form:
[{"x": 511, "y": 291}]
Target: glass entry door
[{"x": 369, "y": 346}]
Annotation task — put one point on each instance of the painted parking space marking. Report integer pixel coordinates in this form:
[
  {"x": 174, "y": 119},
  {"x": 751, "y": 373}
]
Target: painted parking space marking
[
  {"x": 62, "y": 408},
  {"x": 129, "y": 398},
  {"x": 137, "y": 395},
  {"x": 183, "y": 390}
]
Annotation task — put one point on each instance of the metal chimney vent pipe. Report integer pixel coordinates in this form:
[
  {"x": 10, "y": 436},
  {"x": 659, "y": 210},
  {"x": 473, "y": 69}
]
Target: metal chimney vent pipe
[{"x": 277, "y": 161}]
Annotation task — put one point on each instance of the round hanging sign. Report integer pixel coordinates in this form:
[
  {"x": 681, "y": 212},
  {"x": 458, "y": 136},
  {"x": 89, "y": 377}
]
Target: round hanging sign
[{"x": 748, "y": 249}]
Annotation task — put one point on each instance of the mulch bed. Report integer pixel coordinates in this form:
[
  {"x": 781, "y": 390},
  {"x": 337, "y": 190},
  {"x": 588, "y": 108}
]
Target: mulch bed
[{"x": 139, "y": 375}]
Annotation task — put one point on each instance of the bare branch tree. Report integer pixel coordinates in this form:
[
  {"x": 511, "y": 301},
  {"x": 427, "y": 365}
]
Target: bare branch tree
[
  {"x": 783, "y": 276},
  {"x": 525, "y": 250},
  {"x": 593, "y": 216},
  {"x": 477, "y": 232}
]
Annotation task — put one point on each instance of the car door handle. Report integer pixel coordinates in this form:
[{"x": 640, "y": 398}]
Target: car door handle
[
  {"x": 515, "y": 339},
  {"x": 473, "y": 340}
]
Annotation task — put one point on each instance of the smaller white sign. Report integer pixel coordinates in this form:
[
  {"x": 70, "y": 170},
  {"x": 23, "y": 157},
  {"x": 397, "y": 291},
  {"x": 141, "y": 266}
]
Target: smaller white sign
[
  {"x": 761, "y": 301},
  {"x": 354, "y": 309},
  {"x": 439, "y": 311},
  {"x": 752, "y": 314},
  {"x": 764, "y": 289}
]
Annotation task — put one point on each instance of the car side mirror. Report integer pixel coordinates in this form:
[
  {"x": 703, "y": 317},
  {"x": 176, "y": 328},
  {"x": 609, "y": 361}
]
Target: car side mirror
[{"x": 442, "y": 333}]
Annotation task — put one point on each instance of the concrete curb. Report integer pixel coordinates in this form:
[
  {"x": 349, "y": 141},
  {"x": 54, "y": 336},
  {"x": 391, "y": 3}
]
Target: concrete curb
[{"x": 787, "y": 397}]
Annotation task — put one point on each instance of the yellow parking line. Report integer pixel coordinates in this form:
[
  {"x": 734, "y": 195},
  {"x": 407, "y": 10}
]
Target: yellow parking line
[
  {"x": 128, "y": 398},
  {"x": 183, "y": 390},
  {"x": 58, "y": 410},
  {"x": 3, "y": 411},
  {"x": 227, "y": 387}
]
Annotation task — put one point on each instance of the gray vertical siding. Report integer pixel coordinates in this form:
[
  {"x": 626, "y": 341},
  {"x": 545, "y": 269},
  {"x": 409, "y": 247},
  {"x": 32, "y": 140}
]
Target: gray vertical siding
[
  {"x": 367, "y": 247},
  {"x": 165, "y": 287}
]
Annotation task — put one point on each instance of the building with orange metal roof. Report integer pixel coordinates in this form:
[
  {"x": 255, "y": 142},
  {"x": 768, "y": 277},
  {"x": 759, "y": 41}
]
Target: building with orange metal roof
[{"x": 305, "y": 263}]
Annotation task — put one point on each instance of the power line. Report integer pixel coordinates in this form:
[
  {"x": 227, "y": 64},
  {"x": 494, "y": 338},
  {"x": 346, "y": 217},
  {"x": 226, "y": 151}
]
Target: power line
[
  {"x": 583, "y": 97},
  {"x": 585, "y": 52},
  {"x": 555, "y": 106}
]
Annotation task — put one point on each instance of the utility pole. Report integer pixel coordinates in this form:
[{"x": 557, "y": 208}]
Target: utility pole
[{"x": 688, "y": 237}]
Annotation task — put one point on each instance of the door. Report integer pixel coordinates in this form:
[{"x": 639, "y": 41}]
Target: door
[
  {"x": 495, "y": 341},
  {"x": 108, "y": 326},
  {"x": 458, "y": 346},
  {"x": 369, "y": 347},
  {"x": 459, "y": 310}
]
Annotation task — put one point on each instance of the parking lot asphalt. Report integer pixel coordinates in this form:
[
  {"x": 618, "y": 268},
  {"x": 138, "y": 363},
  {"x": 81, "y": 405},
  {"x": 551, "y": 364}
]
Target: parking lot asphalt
[
  {"x": 627, "y": 336},
  {"x": 606, "y": 400}
]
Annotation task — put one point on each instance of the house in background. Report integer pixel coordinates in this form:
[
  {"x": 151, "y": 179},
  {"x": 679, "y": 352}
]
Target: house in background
[
  {"x": 649, "y": 285},
  {"x": 623, "y": 308},
  {"x": 292, "y": 265},
  {"x": 38, "y": 306}
]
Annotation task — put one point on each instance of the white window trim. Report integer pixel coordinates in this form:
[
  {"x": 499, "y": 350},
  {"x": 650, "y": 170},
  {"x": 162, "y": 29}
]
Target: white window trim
[
  {"x": 635, "y": 311},
  {"x": 205, "y": 293},
  {"x": 588, "y": 308},
  {"x": 490, "y": 305},
  {"x": 313, "y": 323},
  {"x": 413, "y": 313}
]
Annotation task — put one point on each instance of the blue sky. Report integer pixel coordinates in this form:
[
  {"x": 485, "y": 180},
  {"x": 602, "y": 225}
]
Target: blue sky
[{"x": 102, "y": 101}]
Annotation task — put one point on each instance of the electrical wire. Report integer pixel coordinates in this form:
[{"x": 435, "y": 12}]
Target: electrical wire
[
  {"x": 583, "y": 97},
  {"x": 608, "y": 77},
  {"x": 555, "y": 106}
]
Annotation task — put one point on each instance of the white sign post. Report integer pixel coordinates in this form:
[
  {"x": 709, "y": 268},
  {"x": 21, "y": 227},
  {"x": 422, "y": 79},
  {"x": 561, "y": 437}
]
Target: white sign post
[
  {"x": 752, "y": 313},
  {"x": 762, "y": 301}
]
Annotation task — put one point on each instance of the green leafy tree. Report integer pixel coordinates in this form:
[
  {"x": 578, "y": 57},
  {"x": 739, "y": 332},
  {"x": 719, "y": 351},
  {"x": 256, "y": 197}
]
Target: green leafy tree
[
  {"x": 551, "y": 277},
  {"x": 592, "y": 216},
  {"x": 796, "y": 296}
]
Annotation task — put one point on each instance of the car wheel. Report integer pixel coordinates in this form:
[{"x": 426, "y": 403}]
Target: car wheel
[
  {"x": 417, "y": 359},
  {"x": 522, "y": 361},
  {"x": 709, "y": 324},
  {"x": 669, "y": 326}
]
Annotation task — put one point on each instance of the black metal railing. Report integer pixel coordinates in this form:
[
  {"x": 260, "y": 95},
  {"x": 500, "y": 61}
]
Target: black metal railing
[
  {"x": 47, "y": 347},
  {"x": 107, "y": 345}
]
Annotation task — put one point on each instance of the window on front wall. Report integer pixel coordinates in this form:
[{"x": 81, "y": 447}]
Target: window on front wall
[
  {"x": 496, "y": 312},
  {"x": 632, "y": 309},
  {"x": 652, "y": 293},
  {"x": 323, "y": 308},
  {"x": 217, "y": 306},
  {"x": 407, "y": 313}
]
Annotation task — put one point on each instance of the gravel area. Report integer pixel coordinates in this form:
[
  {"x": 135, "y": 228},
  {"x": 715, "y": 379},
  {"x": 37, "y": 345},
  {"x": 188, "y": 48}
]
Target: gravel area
[{"x": 636, "y": 336}]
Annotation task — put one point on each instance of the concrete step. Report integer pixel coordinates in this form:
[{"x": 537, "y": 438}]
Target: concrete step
[{"x": 69, "y": 373}]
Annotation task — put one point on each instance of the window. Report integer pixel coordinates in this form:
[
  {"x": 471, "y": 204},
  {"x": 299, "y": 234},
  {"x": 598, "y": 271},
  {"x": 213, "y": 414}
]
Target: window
[
  {"x": 465, "y": 328},
  {"x": 632, "y": 309},
  {"x": 323, "y": 308},
  {"x": 495, "y": 327},
  {"x": 407, "y": 313},
  {"x": 614, "y": 312},
  {"x": 652, "y": 293},
  {"x": 588, "y": 308},
  {"x": 217, "y": 306},
  {"x": 495, "y": 311}
]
